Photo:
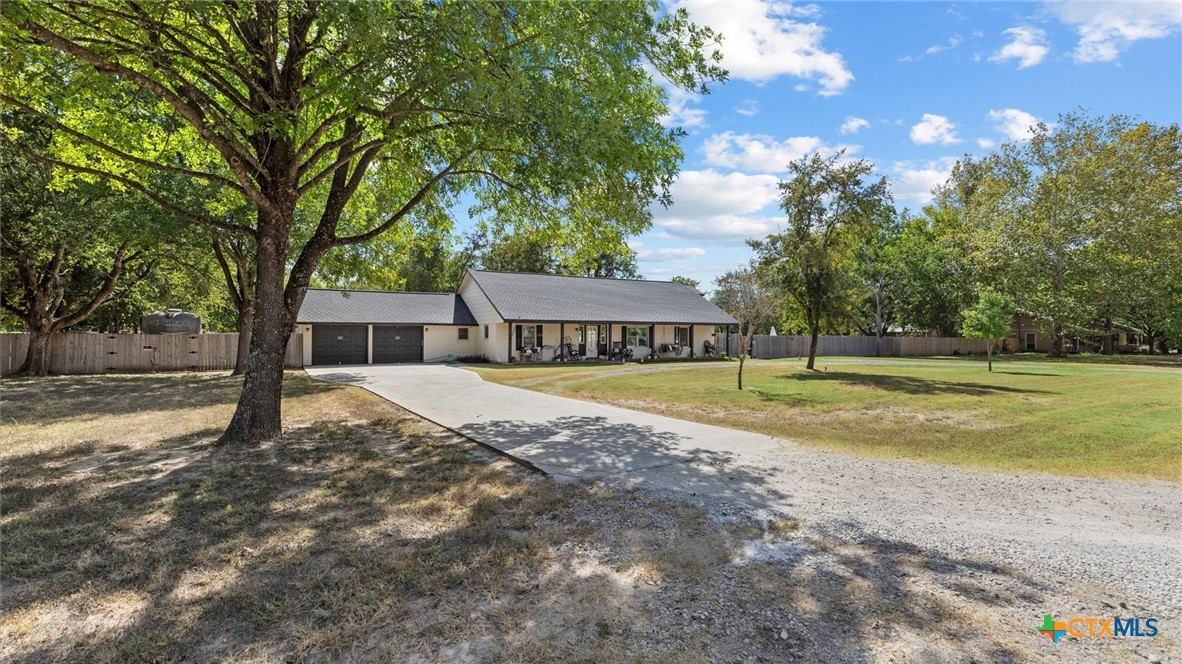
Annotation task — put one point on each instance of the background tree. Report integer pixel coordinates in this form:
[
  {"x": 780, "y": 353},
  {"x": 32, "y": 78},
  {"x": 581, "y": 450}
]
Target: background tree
[
  {"x": 830, "y": 209},
  {"x": 67, "y": 249},
  {"x": 876, "y": 276},
  {"x": 1030, "y": 219},
  {"x": 925, "y": 266},
  {"x": 692, "y": 283},
  {"x": 991, "y": 319},
  {"x": 744, "y": 294},
  {"x": 544, "y": 111}
]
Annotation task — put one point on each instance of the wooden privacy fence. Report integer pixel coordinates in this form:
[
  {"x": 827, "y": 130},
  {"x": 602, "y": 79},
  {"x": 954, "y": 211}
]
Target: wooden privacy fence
[
  {"x": 767, "y": 347},
  {"x": 94, "y": 353}
]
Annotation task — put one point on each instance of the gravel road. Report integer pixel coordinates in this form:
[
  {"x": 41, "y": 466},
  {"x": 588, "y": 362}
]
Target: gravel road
[{"x": 1120, "y": 535}]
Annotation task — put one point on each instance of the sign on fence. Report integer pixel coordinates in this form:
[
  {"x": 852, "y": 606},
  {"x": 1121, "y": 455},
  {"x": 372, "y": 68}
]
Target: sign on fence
[{"x": 95, "y": 353}]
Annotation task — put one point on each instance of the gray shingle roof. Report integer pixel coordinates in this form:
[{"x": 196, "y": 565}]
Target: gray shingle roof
[
  {"x": 381, "y": 307},
  {"x": 555, "y": 298}
]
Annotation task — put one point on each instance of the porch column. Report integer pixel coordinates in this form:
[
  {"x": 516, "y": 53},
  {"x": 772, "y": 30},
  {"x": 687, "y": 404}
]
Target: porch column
[
  {"x": 609, "y": 342},
  {"x": 510, "y": 357},
  {"x": 652, "y": 340},
  {"x": 562, "y": 341},
  {"x": 692, "y": 353}
]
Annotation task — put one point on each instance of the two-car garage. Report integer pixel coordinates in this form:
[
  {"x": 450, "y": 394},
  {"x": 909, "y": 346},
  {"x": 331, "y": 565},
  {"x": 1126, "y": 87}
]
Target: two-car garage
[
  {"x": 360, "y": 327},
  {"x": 349, "y": 344}
]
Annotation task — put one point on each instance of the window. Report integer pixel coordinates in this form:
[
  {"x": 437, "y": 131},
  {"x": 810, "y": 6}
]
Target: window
[
  {"x": 463, "y": 334},
  {"x": 485, "y": 331},
  {"x": 528, "y": 336},
  {"x": 1030, "y": 344},
  {"x": 638, "y": 337},
  {"x": 681, "y": 336}
]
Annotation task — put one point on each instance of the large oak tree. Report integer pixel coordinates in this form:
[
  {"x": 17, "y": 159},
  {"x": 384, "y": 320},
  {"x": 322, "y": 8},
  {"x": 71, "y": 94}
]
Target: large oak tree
[{"x": 537, "y": 108}]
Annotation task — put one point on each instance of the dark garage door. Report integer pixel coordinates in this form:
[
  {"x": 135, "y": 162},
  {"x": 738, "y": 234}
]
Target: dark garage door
[
  {"x": 338, "y": 344},
  {"x": 397, "y": 343}
]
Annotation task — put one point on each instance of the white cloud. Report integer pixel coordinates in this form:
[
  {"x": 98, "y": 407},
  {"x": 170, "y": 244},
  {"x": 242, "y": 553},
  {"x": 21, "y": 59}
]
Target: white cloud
[
  {"x": 708, "y": 193},
  {"x": 681, "y": 114},
  {"x": 953, "y": 42},
  {"x": 669, "y": 254},
  {"x": 986, "y": 143},
  {"x": 718, "y": 207},
  {"x": 748, "y": 108},
  {"x": 1012, "y": 123},
  {"x": 853, "y": 124},
  {"x": 914, "y": 183},
  {"x": 723, "y": 229},
  {"x": 1027, "y": 46},
  {"x": 760, "y": 152},
  {"x": 763, "y": 40},
  {"x": 935, "y": 49},
  {"x": 1106, "y": 29},
  {"x": 934, "y": 129}
]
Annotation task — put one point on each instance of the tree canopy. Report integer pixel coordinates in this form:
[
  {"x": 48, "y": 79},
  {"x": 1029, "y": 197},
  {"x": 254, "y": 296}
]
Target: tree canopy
[{"x": 338, "y": 122}]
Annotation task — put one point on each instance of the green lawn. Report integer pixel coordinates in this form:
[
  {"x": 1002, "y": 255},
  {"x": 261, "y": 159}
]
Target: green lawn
[{"x": 1073, "y": 418}]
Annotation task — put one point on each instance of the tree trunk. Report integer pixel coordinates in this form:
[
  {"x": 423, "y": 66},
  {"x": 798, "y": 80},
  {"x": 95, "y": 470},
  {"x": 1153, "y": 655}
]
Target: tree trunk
[
  {"x": 989, "y": 355},
  {"x": 741, "y": 358},
  {"x": 37, "y": 358},
  {"x": 245, "y": 329},
  {"x": 1106, "y": 347},
  {"x": 878, "y": 324},
  {"x": 1056, "y": 341},
  {"x": 258, "y": 415},
  {"x": 813, "y": 349}
]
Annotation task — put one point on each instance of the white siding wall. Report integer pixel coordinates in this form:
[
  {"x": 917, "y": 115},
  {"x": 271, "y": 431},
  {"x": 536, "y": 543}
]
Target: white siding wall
[
  {"x": 306, "y": 331},
  {"x": 496, "y": 346},
  {"x": 442, "y": 341},
  {"x": 477, "y": 303}
]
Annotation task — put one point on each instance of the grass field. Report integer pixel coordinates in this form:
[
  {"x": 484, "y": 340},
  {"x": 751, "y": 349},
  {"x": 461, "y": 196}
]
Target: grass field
[{"x": 1068, "y": 417}]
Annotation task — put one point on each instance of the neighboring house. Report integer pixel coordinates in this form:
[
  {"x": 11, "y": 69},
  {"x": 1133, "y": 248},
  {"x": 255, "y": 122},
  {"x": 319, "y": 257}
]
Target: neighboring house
[
  {"x": 506, "y": 315},
  {"x": 1034, "y": 333}
]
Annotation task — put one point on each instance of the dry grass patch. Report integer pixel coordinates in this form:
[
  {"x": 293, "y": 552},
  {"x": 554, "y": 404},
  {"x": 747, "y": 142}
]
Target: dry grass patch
[{"x": 367, "y": 534}]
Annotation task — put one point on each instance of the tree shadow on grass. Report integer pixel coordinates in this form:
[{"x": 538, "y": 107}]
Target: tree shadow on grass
[
  {"x": 909, "y": 384},
  {"x": 1026, "y": 373},
  {"x": 379, "y": 541},
  {"x": 56, "y": 398}
]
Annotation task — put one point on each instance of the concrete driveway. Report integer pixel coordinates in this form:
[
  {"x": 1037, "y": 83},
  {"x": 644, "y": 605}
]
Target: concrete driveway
[{"x": 565, "y": 438}]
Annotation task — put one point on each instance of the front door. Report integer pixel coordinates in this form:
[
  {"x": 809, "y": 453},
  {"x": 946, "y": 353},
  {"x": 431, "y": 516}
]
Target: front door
[
  {"x": 597, "y": 339},
  {"x": 590, "y": 339}
]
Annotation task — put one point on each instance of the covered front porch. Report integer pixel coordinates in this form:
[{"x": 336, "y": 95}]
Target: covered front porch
[{"x": 575, "y": 341}]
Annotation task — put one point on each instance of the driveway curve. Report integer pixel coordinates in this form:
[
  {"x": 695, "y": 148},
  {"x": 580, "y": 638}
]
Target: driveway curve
[{"x": 1123, "y": 539}]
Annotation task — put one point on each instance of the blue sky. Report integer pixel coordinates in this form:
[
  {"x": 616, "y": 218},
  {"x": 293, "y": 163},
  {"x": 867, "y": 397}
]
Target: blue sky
[{"x": 908, "y": 86}]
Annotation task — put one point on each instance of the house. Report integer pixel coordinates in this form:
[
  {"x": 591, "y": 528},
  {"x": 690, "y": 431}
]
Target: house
[
  {"x": 509, "y": 316},
  {"x": 1033, "y": 333}
]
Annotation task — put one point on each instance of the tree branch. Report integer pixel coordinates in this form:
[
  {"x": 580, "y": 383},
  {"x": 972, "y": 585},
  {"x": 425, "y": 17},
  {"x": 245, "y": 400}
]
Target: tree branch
[
  {"x": 193, "y": 114},
  {"x": 397, "y": 216},
  {"x": 137, "y": 186},
  {"x": 101, "y": 296}
]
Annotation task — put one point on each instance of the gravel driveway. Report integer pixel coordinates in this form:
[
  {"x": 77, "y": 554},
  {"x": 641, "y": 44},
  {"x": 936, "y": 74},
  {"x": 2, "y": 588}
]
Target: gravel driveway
[{"x": 1122, "y": 539}]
